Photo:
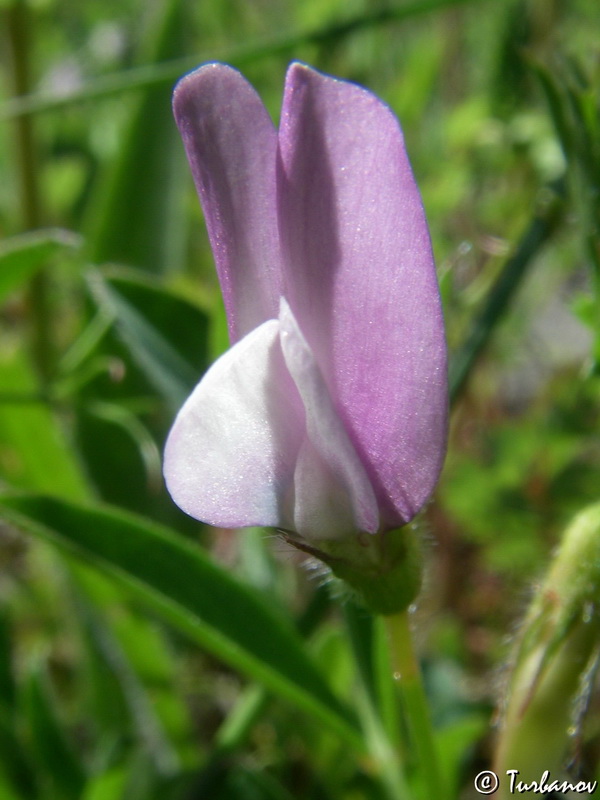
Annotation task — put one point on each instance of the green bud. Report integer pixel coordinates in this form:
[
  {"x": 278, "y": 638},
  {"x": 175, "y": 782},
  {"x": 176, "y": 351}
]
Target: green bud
[{"x": 555, "y": 650}]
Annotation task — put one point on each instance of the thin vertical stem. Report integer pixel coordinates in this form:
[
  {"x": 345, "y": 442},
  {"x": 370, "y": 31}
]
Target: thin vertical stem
[
  {"x": 407, "y": 674},
  {"x": 18, "y": 39},
  {"x": 18, "y": 34}
]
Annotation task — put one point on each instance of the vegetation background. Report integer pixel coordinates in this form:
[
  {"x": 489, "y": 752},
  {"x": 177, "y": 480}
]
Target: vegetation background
[{"x": 147, "y": 656}]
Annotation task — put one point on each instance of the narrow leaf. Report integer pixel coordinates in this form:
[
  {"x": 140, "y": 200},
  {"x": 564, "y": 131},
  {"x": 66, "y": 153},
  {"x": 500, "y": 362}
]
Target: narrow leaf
[
  {"x": 16, "y": 769},
  {"x": 34, "y": 453},
  {"x": 201, "y": 599},
  {"x": 52, "y": 751},
  {"x": 167, "y": 72},
  {"x": 136, "y": 219},
  {"x": 21, "y": 256},
  {"x": 166, "y": 336}
]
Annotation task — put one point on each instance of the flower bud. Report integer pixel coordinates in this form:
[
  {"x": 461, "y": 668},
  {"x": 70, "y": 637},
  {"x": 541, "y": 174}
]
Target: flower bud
[{"x": 555, "y": 651}]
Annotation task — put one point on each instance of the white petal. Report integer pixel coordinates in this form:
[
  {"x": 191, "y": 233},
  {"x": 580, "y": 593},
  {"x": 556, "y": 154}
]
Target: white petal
[
  {"x": 260, "y": 443},
  {"x": 231, "y": 454},
  {"x": 333, "y": 495}
]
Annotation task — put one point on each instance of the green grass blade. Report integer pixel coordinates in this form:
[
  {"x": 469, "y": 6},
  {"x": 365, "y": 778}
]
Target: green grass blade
[
  {"x": 22, "y": 256},
  {"x": 15, "y": 768},
  {"x": 136, "y": 218},
  {"x": 34, "y": 454},
  {"x": 152, "y": 75},
  {"x": 540, "y": 230},
  {"x": 121, "y": 693},
  {"x": 165, "y": 335},
  {"x": 52, "y": 750},
  {"x": 198, "y": 597}
]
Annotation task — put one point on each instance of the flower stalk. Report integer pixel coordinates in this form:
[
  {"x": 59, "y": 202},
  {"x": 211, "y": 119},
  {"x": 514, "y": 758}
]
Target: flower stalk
[{"x": 407, "y": 675}]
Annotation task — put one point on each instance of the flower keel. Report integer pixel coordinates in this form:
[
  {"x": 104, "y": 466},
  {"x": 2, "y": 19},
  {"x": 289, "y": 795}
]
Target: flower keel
[{"x": 261, "y": 438}]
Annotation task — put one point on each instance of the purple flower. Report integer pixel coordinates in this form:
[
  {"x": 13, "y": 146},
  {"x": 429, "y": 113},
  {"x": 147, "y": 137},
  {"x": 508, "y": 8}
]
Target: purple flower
[{"x": 328, "y": 415}]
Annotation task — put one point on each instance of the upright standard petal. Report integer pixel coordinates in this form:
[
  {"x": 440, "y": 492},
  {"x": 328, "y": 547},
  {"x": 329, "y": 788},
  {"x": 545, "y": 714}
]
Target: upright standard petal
[
  {"x": 231, "y": 145},
  {"x": 360, "y": 279}
]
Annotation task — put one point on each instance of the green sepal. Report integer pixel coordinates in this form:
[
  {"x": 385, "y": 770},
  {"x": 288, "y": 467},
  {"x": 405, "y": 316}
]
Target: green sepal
[{"x": 384, "y": 570}]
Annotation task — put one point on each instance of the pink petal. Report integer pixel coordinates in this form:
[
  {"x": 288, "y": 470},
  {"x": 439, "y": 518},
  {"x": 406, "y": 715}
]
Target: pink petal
[
  {"x": 231, "y": 145},
  {"x": 360, "y": 279}
]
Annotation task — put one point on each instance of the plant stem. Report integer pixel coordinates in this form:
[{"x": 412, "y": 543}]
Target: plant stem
[
  {"x": 407, "y": 674},
  {"x": 17, "y": 28},
  {"x": 18, "y": 34}
]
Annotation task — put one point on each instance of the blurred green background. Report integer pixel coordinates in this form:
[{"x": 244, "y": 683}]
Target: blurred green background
[{"x": 129, "y": 652}]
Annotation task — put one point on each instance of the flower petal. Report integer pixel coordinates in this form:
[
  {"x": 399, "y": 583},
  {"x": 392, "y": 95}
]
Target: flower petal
[
  {"x": 231, "y": 454},
  {"x": 258, "y": 443},
  {"x": 360, "y": 279},
  {"x": 332, "y": 493},
  {"x": 231, "y": 145}
]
